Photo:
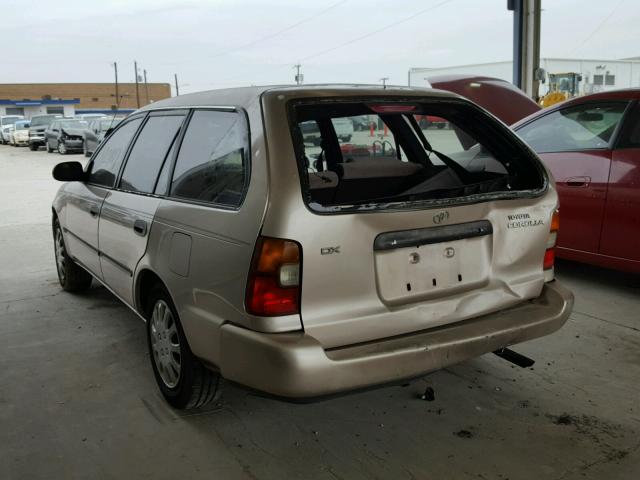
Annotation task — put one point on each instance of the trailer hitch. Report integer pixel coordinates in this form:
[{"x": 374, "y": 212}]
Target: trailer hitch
[{"x": 514, "y": 357}]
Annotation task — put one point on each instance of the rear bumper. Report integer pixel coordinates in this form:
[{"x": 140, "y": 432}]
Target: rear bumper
[{"x": 295, "y": 365}]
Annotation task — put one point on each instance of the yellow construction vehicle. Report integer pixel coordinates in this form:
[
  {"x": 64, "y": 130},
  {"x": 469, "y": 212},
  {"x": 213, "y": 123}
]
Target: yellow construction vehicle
[{"x": 562, "y": 86}]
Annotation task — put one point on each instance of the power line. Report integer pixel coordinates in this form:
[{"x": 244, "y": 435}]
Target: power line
[
  {"x": 268, "y": 36},
  {"x": 374, "y": 32},
  {"x": 597, "y": 29},
  {"x": 354, "y": 40}
]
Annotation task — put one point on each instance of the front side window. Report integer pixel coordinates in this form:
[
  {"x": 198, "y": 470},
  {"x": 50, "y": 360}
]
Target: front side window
[
  {"x": 583, "y": 127},
  {"x": 367, "y": 154},
  {"x": 211, "y": 164},
  {"x": 149, "y": 153},
  {"x": 106, "y": 164}
]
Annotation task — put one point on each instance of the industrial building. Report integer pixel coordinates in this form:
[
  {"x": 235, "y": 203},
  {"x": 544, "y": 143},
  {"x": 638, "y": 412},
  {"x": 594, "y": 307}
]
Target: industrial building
[
  {"x": 592, "y": 75},
  {"x": 67, "y": 99}
]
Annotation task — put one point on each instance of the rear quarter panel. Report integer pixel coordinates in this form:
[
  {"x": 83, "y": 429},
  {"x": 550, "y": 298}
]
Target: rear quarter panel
[{"x": 209, "y": 290}]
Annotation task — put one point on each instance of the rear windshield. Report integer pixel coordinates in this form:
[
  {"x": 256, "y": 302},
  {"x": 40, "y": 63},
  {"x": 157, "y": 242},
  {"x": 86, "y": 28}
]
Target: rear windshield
[
  {"x": 74, "y": 124},
  {"x": 39, "y": 121},
  {"x": 372, "y": 154}
]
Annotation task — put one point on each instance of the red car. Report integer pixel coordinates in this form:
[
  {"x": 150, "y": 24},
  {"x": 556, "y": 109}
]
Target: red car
[{"x": 592, "y": 146}]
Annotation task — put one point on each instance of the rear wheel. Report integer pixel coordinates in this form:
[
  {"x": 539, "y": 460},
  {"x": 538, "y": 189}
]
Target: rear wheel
[
  {"x": 73, "y": 278},
  {"x": 184, "y": 382}
]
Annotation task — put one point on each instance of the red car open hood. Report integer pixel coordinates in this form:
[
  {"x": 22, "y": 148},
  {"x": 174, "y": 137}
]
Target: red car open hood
[{"x": 502, "y": 99}]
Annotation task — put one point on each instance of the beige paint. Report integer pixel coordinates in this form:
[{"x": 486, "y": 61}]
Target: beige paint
[{"x": 354, "y": 308}]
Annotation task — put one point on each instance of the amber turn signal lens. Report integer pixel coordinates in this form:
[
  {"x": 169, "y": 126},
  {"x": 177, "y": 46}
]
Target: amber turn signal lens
[
  {"x": 273, "y": 287},
  {"x": 555, "y": 221}
]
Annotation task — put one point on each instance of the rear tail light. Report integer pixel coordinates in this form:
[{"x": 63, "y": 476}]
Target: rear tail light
[
  {"x": 273, "y": 288},
  {"x": 550, "y": 253}
]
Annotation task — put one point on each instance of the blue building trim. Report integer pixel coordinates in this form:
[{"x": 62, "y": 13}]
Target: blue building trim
[{"x": 32, "y": 103}]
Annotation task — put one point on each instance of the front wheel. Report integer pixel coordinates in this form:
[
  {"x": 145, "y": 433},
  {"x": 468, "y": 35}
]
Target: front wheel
[
  {"x": 184, "y": 382},
  {"x": 49, "y": 149},
  {"x": 33, "y": 147},
  {"x": 62, "y": 148},
  {"x": 73, "y": 278}
]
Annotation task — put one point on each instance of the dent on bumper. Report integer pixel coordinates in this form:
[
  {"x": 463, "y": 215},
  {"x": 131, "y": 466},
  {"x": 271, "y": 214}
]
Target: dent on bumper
[{"x": 295, "y": 365}]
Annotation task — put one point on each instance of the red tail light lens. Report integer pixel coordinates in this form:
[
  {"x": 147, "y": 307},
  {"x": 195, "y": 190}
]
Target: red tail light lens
[
  {"x": 549, "y": 258},
  {"x": 550, "y": 253},
  {"x": 273, "y": 288}
]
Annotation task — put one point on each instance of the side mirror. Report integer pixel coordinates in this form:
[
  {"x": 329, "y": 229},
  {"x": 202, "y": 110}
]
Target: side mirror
[{"x": 69, "y": 172}]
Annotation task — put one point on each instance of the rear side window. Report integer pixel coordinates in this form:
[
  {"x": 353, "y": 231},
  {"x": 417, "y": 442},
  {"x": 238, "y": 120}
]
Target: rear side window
[
  {"x": 398, "y": 153},
  {"x": 582, "y": 127},
  {"x": 150, "y": 152},
  {"x": 211, "y": 165},
  {"x": 107, "y": 162}
]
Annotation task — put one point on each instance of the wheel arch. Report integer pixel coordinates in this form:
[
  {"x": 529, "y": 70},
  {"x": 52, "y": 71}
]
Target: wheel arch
[{"x": 146, "y": 279}]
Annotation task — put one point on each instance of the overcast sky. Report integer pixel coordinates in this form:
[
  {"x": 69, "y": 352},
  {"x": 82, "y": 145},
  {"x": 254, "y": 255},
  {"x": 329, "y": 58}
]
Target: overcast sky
[{"x": 220, "y": 43}]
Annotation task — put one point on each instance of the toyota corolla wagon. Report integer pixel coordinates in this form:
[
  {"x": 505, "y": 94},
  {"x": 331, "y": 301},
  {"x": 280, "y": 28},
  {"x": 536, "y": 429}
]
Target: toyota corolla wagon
[{"x": 307, "y": 267}]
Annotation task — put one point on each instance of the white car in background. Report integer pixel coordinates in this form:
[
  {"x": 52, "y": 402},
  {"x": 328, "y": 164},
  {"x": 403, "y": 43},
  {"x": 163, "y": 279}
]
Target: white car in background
[
  {"x": 19, "y": 134},
  {"x": 5, "y": 122},
  {"x": 5, "y": 134}
]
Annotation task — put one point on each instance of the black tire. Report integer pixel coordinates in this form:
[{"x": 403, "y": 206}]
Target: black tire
[
  {"x": 72, "y": 277},
  {"x": 49, "y": 149},
  {"x": 62, "y": 148},
  {"x": 196, "y": 385},
  {"x": 33, "y": 147}
]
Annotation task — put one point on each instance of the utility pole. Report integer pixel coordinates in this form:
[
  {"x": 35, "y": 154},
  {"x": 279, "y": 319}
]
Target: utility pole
[
  {"x": 115, "y": 67},
  {"x": 384, "y": 81},
  {"x": 526, "y": 45},
  {"x": 135, "y": 67},
  {"x": 175, "y": 77},
  {"x": 146, "y": 86},
  {"x": 299, "y": 76}
]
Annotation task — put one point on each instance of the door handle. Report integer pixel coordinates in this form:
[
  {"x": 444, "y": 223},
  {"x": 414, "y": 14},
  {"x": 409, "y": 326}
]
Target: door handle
[
  {"x": 94, "y": 211},
  {"x": 578, "y": 181},
  {"x": 140, "y": 227}
]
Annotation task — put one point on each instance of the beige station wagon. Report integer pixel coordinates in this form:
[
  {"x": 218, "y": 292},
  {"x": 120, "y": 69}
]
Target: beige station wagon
[{"x": 304, "y": 267}]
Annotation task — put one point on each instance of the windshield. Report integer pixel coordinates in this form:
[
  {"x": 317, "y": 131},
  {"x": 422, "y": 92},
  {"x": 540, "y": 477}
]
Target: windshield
[
  {"x": 10, "y": 120},
  {"x": 39, "y": 121},
  {"x": 73, "y": 124},
  {"x": 21, "y": 125},
  {"x": 407, "y": 152}
]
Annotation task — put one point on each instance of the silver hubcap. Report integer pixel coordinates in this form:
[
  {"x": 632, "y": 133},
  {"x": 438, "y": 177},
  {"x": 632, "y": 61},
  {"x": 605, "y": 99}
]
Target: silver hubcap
[
  {"x": 60, "y": 254},
  {"x": 165, "y": 344},
  {"x": 61, "y": 147}
]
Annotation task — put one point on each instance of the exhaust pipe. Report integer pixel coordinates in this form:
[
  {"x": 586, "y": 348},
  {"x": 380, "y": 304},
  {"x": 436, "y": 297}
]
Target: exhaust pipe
[{"x": 514, "y": 357}]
